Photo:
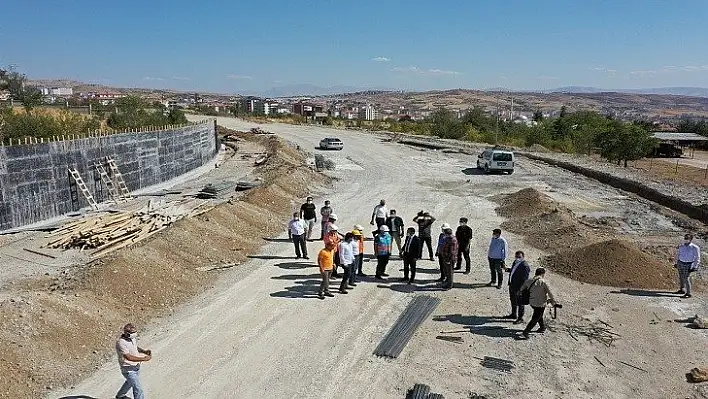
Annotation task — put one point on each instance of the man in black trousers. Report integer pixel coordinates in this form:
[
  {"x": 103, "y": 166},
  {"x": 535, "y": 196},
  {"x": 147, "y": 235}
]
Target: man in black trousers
[
  {"x": 464, "y": 236},
  {"x": 412, "y": 251},
  {"x": 518, "y": 274}
]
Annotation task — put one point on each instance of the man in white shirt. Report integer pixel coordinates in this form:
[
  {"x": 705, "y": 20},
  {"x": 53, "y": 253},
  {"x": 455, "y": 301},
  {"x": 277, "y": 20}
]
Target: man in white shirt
[
  {"x": 346, "y": 260},
  {"x": 380, "y": 214},
  {"x": 130, "y": 355},
  {"x": 296, "y": 230},
  {"x": 688, "y": 258}
]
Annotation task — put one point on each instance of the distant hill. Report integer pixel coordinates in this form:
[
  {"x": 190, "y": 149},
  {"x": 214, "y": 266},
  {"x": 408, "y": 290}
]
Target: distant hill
[{"x": 675, "y": 91}]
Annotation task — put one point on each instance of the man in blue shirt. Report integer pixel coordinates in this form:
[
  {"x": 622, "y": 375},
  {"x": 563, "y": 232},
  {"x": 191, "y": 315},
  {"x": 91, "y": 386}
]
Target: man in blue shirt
[{"x": 498, "y": 249}]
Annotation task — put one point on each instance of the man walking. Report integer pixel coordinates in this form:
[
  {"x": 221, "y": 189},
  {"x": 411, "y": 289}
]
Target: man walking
[
  {"x": 325, "y": 211},
  {"x": 296, "y": 230},
  {"x": 130, "y": 355},
  {"x": 346, "y": 260},
  {"x": 411, "y": 253},
  {"x": 325, "y": 260},
  {"x": 464, "y": 237},
  {"x": 395, "y": 226},
  {"x": 688, "y": 258},
  {"x": 448, "y": 255},
  {"x": 380, "y": 214},
  {"x": 539, "y": 295},
  {"x": 425, "y": 223},
  {"x": 498, "y": 249},
  {"x": 518, "y": 275},
  {"x": 383, "y": 252},
  {"x": 308, "y": 213}
]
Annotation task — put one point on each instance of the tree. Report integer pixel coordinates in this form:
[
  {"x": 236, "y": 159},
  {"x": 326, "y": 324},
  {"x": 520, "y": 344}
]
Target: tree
[
  {"x": 623, "y": 142},
  {"x": 444, "y": 125},
  {"x": 538, "y": 116}
]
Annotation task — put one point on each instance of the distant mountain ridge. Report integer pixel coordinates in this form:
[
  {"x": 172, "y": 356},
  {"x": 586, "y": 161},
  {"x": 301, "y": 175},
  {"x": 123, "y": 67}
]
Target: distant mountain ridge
[{"x": 676, "y": 91}]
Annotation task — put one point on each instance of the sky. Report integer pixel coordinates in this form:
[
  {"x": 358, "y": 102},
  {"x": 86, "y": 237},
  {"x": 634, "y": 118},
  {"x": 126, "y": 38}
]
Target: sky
[{"x": 237, "y": 46}]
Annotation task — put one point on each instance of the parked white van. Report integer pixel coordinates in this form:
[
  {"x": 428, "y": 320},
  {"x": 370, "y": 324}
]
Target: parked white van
[{"x": 496, "y": 160}]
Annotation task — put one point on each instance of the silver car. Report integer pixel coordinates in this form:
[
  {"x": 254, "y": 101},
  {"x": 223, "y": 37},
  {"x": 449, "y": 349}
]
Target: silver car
[{"x": 331, "y": 143}]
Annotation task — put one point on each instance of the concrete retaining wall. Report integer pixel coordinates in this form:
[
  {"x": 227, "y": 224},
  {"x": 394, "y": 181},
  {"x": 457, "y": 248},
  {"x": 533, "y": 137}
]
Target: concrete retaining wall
[
  {"x": 35, "y": 183},
  {"x": 679, "y": 205}
]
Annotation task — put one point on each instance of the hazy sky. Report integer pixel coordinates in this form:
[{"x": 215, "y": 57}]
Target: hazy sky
[{"x": 229, "y": 46}]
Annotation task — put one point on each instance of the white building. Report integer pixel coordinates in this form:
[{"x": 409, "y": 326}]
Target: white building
[
  {"x": 57, "y": 91},
  {"x": 368, "y": 113}
]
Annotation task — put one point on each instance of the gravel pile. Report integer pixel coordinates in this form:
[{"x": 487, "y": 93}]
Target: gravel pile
[
  {"x": 613, "y": 263},
  {"x": 686, "y": 191}
]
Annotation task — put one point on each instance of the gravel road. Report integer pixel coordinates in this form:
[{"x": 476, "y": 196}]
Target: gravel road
[{"x": 260, "y": 333}]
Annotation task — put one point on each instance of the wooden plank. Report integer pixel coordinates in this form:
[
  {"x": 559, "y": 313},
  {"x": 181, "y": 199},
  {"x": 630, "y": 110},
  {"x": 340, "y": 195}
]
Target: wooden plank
[{"x": 39, "y": 253}]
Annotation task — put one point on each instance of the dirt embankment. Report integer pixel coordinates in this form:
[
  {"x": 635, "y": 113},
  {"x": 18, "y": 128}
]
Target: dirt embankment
[
  {"x": 583, "y": 249},
  {"x": 55, "y": 330}
]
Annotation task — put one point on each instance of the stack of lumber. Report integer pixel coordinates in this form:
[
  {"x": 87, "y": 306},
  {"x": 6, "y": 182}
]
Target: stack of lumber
[{"x": 108, "y": 233}]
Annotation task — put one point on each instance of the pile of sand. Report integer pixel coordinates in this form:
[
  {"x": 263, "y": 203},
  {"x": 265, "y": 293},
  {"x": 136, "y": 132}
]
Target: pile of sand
[
  {"x": 551, "y": 231},
  {"x": 614, "y": 263},
  {"x": 525, "y": 203}
]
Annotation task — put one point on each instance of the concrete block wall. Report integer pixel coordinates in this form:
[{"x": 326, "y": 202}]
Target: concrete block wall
[{"x": 35, "y": 183}]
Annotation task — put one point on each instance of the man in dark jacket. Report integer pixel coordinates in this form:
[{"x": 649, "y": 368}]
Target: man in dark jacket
[
  {"x": 518, "y": 274},
  {"x": 412, "y": 251},
  {"x": 464, "y": 236},
  {"x": 395, "y": 227},
  {"x": 448, "y": 255},
  {"x": 425, "y": 222}
]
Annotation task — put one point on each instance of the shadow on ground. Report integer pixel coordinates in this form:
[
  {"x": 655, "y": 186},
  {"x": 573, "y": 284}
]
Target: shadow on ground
[
  {"x": 294, "y": 265},
  {"x": 476, "y": 325},
  {"x": 301, "y": 289},
  {"x": 78, "y": 397},
  {"x": 472, "y": 171},
  {"x": 649, "y": 293}
]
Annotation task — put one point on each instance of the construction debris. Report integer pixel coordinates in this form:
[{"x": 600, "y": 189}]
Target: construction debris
[
  {"x": 454, "y": 340},
  {"x": 39, "y": 253},
  {"x": 402, "y": 331},
  {"x": 498, "y": 364},
  {"x": 422, "y": 391},
  {"x": 108, "y": 233},
  {"x": 260, "y": 160},
  {"x": 602, "y": 335},
  {"x": 258, "y": 130},
  {"x": 322, "y": 163},
  {"x": 697, "y": 375}
]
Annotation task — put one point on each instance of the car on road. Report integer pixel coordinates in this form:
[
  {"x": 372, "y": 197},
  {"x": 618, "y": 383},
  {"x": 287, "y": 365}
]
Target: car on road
[
  {"x": 496, "y": 160},
  {"x": 331, "y": 143}
]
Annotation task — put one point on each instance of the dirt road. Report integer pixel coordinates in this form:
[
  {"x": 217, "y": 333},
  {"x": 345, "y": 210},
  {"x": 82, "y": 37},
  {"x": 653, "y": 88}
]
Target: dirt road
[{"x": 261, "y": 333}]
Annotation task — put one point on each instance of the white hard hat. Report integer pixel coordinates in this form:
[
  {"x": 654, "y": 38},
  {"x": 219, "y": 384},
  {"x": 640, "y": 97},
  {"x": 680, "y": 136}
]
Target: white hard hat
[
  {"x": 358, "y": 227},
  {"x": 383, "y": 228},
  {"x": 445, "y": 226},
  {"x": 334, "y": 227},
  {"x": 333, "y": 216}
]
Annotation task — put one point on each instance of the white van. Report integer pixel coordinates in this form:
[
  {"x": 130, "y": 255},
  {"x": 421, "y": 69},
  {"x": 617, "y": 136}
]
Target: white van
[{"x": 496, "y": 160}]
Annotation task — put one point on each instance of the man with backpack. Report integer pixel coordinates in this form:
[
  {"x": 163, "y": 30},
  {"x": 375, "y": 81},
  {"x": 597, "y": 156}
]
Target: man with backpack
[{"x": 538, "y": 294}]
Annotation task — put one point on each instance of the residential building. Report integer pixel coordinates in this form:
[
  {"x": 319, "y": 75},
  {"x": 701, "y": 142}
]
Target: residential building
[{"x": 368, "y": 113}]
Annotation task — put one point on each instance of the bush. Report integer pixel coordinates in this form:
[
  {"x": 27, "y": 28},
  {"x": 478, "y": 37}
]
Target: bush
[{"x": 324, "y": 163}]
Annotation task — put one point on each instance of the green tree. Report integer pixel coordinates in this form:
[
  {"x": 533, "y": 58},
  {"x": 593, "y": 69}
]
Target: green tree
[
  {"x": 444, "y": 125},
  {"x": 623, "y": 142},
  {"x": 538, "y": 116}
]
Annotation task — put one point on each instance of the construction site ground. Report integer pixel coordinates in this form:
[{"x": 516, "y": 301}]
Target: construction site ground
[{"x": 259, "y": 331}]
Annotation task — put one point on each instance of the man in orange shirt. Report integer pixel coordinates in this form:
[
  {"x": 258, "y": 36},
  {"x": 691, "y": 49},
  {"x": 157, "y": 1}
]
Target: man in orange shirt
[
  {"x": 325, "y": 260},
  {"x": 333, "y": 237}
]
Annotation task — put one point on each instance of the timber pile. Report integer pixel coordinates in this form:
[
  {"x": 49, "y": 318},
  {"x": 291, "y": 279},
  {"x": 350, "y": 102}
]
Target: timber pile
[{"x": 108, "y": 233}]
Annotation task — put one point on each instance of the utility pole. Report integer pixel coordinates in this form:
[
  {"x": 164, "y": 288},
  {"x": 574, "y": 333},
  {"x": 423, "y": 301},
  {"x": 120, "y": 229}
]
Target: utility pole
[
  {"x": 496, "y": 129},
  {"x": 512, "y": 108}
]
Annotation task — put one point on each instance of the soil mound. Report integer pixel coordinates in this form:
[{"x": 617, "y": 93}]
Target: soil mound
[
  {"x": 615, "y": 263},
  {"x": 538, "y": 148},
  {"x": 551, "y": 231},
  {"x": 525, "y": 203}
]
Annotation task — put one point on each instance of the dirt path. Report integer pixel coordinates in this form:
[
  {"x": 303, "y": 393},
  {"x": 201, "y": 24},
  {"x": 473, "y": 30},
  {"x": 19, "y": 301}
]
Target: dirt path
[{"x": 261, "y": 333}]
